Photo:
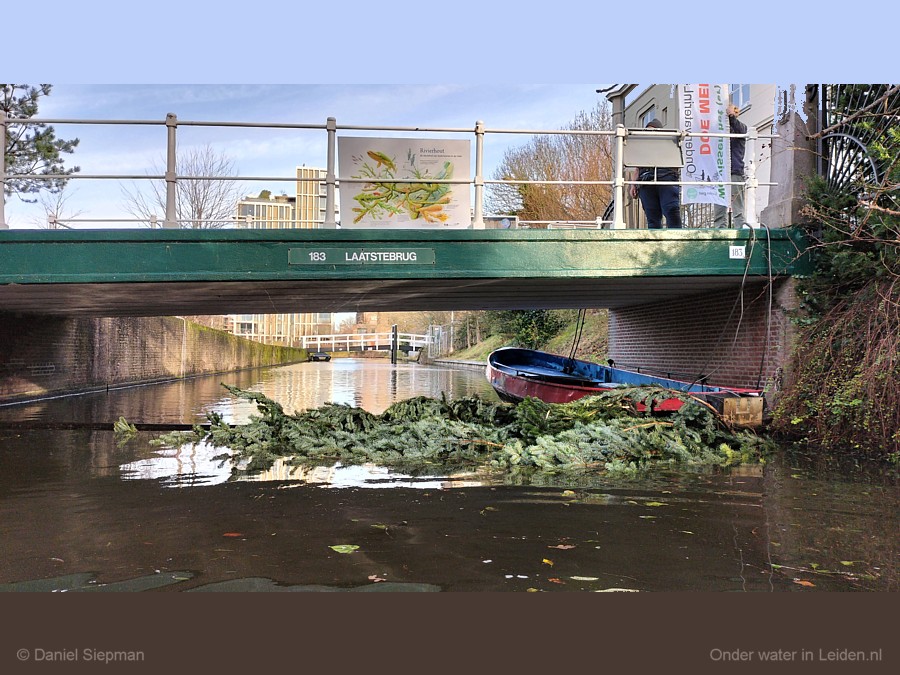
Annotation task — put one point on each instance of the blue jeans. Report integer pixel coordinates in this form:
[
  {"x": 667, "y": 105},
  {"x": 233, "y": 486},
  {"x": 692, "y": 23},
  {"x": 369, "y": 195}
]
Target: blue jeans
[{"x": 659, "y": 201}]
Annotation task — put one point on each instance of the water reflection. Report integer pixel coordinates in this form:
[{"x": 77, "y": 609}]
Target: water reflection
[
  {"x": 364, "y": 383},
  {"x": 80, "y": 512},
  {"x": 203, "y": 464},
  {"x": 372, "y": 384}
]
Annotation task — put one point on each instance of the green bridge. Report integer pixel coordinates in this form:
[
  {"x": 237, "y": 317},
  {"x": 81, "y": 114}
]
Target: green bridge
[{"x": 175, "y": 272}]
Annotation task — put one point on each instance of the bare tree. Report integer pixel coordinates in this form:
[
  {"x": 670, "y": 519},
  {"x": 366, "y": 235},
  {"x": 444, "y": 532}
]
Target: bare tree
[
  {"x": 55, "y": 207},
  {"x": 558, "y": 157},
  {"x": 200, "y": 203}
]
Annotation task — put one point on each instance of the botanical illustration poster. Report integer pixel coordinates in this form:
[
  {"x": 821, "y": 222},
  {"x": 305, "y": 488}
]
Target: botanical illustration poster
[
  {"x": 703, "y": 108},
  {"x": 370, "y": 197}
]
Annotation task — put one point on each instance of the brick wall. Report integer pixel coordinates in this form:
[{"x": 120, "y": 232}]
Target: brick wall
[
  {"x": 710, "y": 334},
  {"x": 41, "y": 356}
]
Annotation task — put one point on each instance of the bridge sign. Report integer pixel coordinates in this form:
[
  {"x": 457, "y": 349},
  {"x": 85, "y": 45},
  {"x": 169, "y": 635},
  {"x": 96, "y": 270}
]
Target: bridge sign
[{"x": 361, "y": 256}]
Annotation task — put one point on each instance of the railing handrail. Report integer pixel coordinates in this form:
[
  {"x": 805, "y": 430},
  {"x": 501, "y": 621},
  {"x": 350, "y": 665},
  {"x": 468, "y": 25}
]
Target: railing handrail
[
  {"x": 618, "y": 180},
  {"x": 364, "y": 339}
]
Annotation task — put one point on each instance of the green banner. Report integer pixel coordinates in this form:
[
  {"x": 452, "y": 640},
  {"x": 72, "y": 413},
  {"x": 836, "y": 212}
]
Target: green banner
[{"x": 361, "y": 256}]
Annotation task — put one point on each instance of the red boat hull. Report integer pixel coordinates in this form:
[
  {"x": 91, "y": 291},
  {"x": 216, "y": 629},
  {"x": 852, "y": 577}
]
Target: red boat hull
[{"x": 514, "y": 388}]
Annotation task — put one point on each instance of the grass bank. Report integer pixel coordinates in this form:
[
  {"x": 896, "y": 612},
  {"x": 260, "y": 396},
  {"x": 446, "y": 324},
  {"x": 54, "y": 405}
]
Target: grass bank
[{"x": 592, "y": 345}]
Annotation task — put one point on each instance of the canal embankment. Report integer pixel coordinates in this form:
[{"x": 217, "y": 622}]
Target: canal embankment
[
  {"x": 459, "y": 363},
  {"x": 49, "y": 356}
]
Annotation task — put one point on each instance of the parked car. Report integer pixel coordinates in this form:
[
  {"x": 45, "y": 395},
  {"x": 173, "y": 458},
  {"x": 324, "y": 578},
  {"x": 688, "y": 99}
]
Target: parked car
[{"x": 318, "y": 356}]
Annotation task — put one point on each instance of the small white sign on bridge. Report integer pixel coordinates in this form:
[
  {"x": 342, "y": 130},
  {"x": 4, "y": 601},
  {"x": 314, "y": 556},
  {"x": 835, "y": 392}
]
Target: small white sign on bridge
[{"x": 737, "y": 252}]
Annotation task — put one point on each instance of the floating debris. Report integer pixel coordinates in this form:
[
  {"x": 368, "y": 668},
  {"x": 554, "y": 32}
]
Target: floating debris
[
  {"x": 123, "y": 430},
  {"x": 604, "y": 433}
]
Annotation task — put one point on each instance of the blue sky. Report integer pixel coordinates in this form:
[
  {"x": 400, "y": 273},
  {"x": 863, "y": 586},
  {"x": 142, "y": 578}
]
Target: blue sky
[{"x": 514, "y": 65}]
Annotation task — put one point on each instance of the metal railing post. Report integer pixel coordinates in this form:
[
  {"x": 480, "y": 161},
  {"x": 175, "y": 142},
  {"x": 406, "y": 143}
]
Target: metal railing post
[
  {"x": 395, "y": 343},
  {"x": 619, "y": 180},
  {"x": 478, "y": 220},
  {"x": 3, "y": 225},
  {"x": 171, "y": 220},
  {"x": 752, "y": 183},
  {"x": 330, "y": 210}
]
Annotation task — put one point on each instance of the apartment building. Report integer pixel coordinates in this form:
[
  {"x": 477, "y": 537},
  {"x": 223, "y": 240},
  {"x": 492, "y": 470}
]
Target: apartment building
[{"x": 305, "y": 210}]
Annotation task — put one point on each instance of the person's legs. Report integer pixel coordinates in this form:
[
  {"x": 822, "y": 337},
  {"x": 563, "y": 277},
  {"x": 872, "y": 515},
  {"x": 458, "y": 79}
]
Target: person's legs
[
  {"x": 737, "y": 201},
  {"x": 649, "y": 195},
  {"x": 720, "y": 216},
  {"x": 670, "y": 204}
]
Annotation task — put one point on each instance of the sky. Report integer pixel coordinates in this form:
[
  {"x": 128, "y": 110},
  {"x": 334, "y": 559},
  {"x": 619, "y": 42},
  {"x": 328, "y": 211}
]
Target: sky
[{"x": 524, "y": 65}]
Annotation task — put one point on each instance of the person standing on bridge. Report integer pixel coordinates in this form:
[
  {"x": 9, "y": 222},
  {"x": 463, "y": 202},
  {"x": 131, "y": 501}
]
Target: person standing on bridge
[
  {"x": 658, "y": 200},
  {"x": 720, "y": 213}
]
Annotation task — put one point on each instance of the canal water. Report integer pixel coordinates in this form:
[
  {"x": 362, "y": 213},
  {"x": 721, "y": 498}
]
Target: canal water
[{"x": 80, "y": 511}]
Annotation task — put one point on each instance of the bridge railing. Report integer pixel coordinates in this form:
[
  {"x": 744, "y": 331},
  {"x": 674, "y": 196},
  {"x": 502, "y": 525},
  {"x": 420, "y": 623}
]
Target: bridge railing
[
  {"x": 357, "y": 342},
  {"x": 620, "y": 212}
]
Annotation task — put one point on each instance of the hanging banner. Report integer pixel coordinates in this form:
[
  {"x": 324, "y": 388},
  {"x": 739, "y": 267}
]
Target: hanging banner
[
  {"x": 370, "y": 198},
  {"x": 703, "y": 108}
]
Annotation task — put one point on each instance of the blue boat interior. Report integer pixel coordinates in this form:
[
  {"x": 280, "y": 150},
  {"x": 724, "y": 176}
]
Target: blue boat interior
[{"x": 574, "y": 372}]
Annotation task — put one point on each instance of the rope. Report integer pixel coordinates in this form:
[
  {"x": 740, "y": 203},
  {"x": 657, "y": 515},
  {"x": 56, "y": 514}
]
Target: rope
[{"x": 579, "y": 329}]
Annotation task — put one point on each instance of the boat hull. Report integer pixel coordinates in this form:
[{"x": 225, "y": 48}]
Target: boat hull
[{"x": 519, "y": 373}]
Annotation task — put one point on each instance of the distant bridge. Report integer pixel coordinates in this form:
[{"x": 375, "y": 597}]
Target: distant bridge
[{"x": 363, "y": 342}]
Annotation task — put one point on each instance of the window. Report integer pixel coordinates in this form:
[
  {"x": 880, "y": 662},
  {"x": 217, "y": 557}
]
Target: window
[
  {"x": 648, "y": 116},
  {"x": 739, "y": 95}
]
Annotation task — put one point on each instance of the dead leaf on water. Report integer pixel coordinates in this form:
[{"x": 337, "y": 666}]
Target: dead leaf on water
[
  {"x": 232, "y": 534},
  {"x": 563, "y": 547},
  {"x": 547, "y": 562},
  {"x": 655, "y": 504},
  {"x": 804, "y": 582},
  {"x": 344, "y": 548}
]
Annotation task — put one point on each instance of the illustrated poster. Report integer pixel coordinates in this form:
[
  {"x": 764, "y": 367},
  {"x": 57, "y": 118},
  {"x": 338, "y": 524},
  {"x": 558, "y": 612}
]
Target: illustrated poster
[{"x": 368, "y": 197}]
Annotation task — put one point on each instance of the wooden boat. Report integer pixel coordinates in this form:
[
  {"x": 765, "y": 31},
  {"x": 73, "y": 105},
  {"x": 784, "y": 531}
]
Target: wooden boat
[{"x": 516, "y": 373}]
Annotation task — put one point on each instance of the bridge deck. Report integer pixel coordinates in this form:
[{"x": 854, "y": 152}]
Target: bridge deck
[{"x": 168, "y": 272}]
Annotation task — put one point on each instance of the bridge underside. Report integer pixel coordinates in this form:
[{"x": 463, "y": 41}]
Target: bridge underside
[
  {"x": 176, "y": 272},
  {"x": 370, "y": 295}
]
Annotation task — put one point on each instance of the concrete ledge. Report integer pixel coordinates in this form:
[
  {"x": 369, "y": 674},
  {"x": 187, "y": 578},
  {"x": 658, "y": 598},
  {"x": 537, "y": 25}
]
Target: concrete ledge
[{"x": 457, "y": 363}]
